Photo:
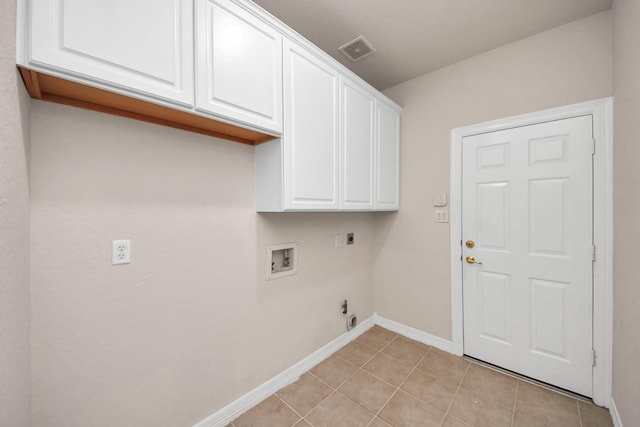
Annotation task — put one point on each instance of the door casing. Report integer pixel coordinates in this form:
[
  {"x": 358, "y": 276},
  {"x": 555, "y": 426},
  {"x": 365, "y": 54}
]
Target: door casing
[{"x": 601, "y": 110}]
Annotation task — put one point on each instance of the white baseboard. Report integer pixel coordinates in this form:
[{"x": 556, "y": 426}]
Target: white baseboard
[
  {"x": 236, "y": 408},
  {"x": 615, "y": 416},
  {"x": 414, "y": 334}
]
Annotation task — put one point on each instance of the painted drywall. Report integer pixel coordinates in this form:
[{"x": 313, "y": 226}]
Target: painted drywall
[
  {"x": 626, "y": 194},
  {"x": 14, "y": 231},
  {"x": 191, "y": 324},
  {"x": 568, "y": 64}
]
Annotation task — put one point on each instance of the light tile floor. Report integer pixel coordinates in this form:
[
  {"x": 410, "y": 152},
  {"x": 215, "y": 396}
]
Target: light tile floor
[{"x": 383, "y": 379}]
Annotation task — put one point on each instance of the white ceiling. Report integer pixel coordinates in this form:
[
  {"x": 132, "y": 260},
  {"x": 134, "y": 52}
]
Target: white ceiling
[{"x": 414, "y": 37}]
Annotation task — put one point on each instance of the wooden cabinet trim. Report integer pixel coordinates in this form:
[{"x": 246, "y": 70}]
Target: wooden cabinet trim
[{"x": 54, "y": 89}]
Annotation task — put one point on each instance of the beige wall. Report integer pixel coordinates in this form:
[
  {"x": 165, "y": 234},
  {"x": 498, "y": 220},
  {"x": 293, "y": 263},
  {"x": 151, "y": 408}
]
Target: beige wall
[
  {"x": 626, "y": 291},
  {"x": 14, "y": 231},
  {"x": 569, "y": 64},
  {"x": 192, "y": 323}
]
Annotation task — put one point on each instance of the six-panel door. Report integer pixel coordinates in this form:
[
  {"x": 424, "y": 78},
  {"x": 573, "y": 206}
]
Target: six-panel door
[{"x": 527, "y": 206}]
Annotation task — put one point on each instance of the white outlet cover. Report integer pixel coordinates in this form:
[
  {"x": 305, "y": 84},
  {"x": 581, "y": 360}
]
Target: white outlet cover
[{"x": 121, "y": 252}]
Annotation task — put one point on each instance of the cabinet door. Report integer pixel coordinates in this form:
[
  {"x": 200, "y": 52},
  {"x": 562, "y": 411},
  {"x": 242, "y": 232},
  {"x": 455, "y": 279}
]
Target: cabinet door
[
  {"x": 143, "y": 45},
  {"x": 357, "y": 145},
  {"x": 311, "y": 135},
  {"x": 238, "y": 65},
  {"x": 387, "y": 158}
]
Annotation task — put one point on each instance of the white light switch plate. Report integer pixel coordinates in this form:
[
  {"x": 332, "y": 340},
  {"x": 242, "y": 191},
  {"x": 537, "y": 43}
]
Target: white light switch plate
[
  {"x": 439, "y": 200},
  {"x": 442, "y": 216}
]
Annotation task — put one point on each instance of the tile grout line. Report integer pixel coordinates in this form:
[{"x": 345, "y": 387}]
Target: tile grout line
[
  {"x": 528, "y": 380},
  {"x": 375, "y": 416},
  {"x": 456, "y": 393},
  {"x": 361, "y": 368},
  {"x": 335, "y": 389},
  {"x": 417, "y": 367},
  {"x": 401, "y": 383},
  {"x": 322, "y": 401},
  {"x": 290, "y": 407},
  {"x": 396, "y": 387},
  {"x": 521, "y": 380},
  {"x": 579, "y": 413},
  {"x": 516, "y": 377},
  {"x": 515, "y": 404},
  {"x": 394, "y": 358}
]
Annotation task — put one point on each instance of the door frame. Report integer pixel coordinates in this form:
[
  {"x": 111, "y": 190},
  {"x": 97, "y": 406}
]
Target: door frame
[{"x": 602, "y": 112}]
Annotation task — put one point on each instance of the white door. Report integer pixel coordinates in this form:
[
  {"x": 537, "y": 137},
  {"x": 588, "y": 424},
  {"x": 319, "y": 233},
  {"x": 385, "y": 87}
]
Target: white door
[
  {"x": 311, "y": 131},
  {"x": 142, "y": 45},
  {"x": 527, "y": 208},
  {"x": 358, "y": 107},
  {"x": 387, "y": 158},
  {"x": 239, "y": 65}
]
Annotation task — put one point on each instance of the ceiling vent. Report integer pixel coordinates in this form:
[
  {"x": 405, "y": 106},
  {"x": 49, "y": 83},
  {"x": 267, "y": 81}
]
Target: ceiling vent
[{"x": 357, "y": 49}]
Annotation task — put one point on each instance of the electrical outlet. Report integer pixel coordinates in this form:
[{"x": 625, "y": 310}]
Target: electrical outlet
[{"x": 121, "y": 252}]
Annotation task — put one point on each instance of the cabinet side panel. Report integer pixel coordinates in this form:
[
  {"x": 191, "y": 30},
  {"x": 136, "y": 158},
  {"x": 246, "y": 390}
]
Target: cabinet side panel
[
  {"x": 268, "y": 170},
  {"x": 388, "y": 158}
]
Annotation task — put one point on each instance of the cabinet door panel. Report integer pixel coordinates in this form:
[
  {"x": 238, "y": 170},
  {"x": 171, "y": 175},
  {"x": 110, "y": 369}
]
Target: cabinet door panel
[
  {"x": 146, "y": 45},
  {"x": 311, "y": 134},
  {"x": 357, "y": 147},
  {"x": 239, "y": 65},
  {"x": 387, "y": 158}
]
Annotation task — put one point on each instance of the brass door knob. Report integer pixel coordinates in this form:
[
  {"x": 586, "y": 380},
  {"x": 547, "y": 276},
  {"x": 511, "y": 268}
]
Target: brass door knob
[
  {"x": 472, "y": 260},
  {"x": 470, "y": 244}
]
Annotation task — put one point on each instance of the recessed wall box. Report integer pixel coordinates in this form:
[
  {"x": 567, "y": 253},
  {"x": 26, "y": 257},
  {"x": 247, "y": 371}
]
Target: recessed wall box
[
  {"x": 281, "y": 260},
  {"x": 351, "y": 239}
]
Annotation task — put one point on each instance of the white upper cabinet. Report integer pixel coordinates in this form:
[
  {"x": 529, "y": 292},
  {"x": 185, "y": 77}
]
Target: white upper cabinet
[
  {"x": 357, "y": 148},
  {"x": 387, "y": 193},
  {"x": 340, "y": 146},
  {"x": 145, "y": 45},
  {"x": 311, "y": 132},
  {"x": 325, "y": 140},
  {"x": 238, "y": 65}
]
